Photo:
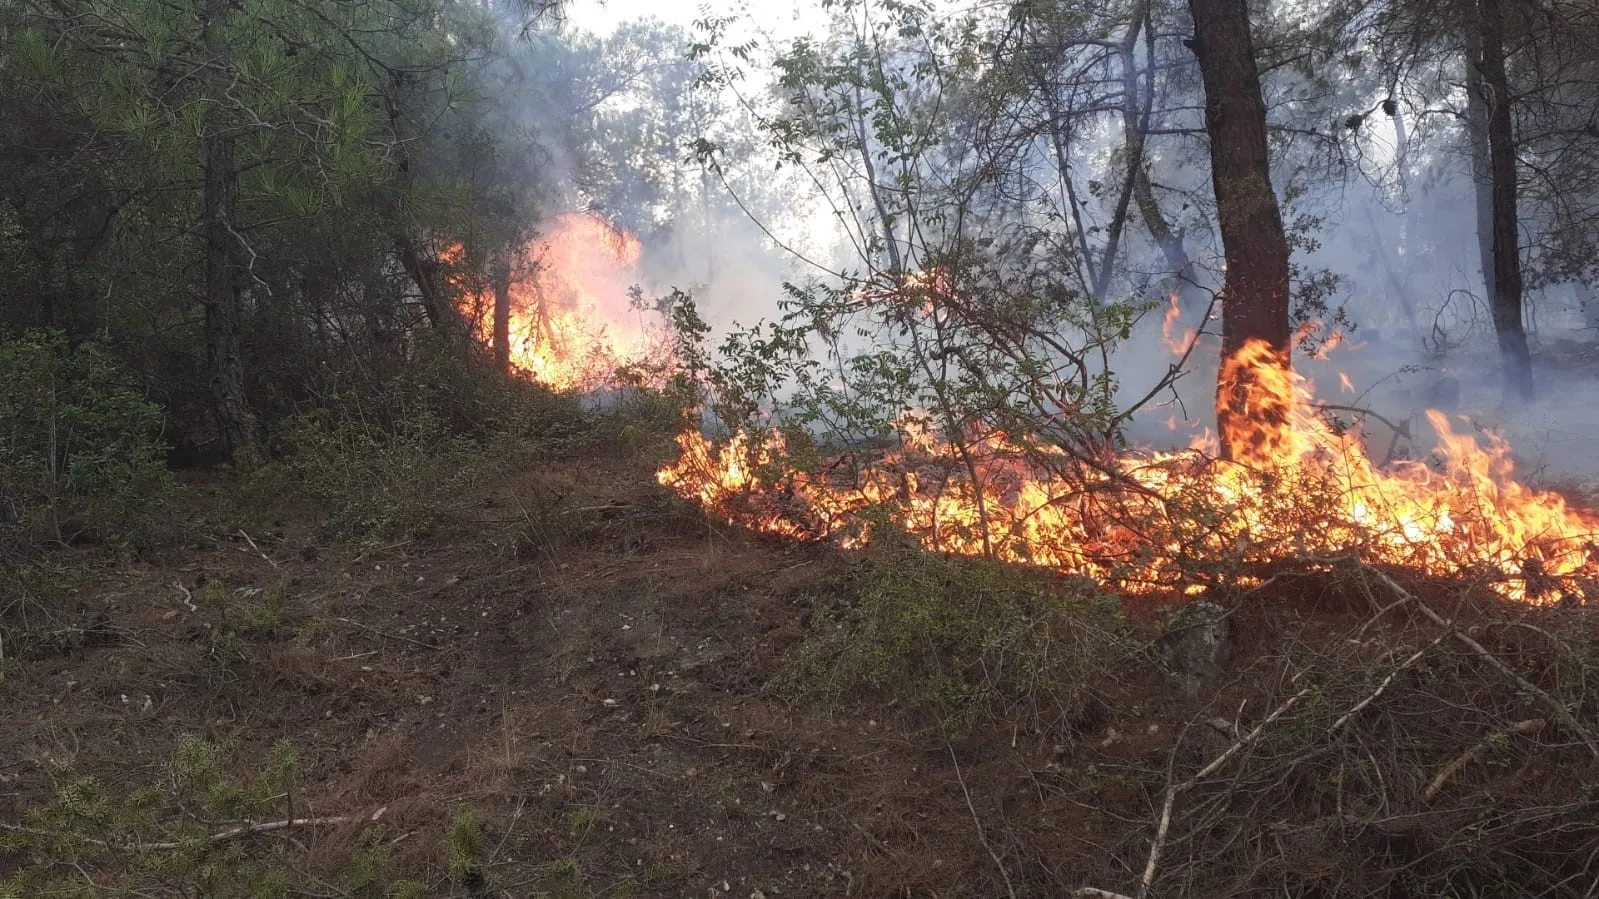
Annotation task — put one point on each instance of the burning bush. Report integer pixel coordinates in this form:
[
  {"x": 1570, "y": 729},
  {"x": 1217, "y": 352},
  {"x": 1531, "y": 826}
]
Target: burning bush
[{"x": 1138, "y": 522}]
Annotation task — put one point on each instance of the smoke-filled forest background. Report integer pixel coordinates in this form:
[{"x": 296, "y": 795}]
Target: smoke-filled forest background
[
  {"x": 1045, "y": 447},
  {"x": 250, "y": 209}
]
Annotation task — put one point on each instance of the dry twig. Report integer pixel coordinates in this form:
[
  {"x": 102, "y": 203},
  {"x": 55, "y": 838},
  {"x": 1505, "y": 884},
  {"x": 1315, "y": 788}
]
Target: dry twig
[
  {"x": 250, "y": 540},
  {"x": 978, "y": 823},
  {"x": 1560, "y": 711},
  {"x": 244, "y": 830},
  {"x": 392, "y": 636},
  {"x": 1176, "y": 789},
  {"x": 1531, "y": 725},
  {"x": 1386, "y": 682}
]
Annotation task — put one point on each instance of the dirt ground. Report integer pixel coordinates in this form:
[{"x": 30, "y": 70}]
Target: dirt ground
[
  {"x": 601, "y": 700},
  {"x": 601, "y": 694}
]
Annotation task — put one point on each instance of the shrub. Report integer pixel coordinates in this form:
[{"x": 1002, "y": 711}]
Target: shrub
[
  {"x": 187, "y": 834},
  {"x": 969, "y": 640},
  {"x": 80, "y": 451},
  {"x": 369, "y": 480}
]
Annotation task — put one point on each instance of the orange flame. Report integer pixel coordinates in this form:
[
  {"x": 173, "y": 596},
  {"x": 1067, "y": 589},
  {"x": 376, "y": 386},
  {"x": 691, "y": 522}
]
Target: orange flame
[
  {"x": 1175, "y": 342},
  {"x": 1301, "y": 491},
  {"x": 572, "y": 323}
]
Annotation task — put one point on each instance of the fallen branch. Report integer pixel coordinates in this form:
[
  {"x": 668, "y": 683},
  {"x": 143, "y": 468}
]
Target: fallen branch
[
  {"x": 1174, "y": 790},
  {"x": 1560, "y": 711},
  {"x": 250, "y": 540},
  {"x": 1531, "y": 725},
  {"x": 978, "y": 823},
  {"x": 1392, "y": 675},
  {"x": 392, "y": 636}
]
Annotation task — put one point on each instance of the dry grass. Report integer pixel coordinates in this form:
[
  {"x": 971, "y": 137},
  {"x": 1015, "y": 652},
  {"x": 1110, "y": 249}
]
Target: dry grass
[{"x": 606, "y": 699}]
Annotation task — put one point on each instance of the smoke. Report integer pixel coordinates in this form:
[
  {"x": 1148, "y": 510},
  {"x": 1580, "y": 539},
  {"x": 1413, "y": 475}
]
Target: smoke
[
  {"x": 602, "y": 124},
  {"x": 1394, "y": 223}
]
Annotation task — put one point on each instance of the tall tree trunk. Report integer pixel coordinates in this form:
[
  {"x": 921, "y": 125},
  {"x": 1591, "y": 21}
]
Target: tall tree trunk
[
  {"x": 1588, "y": 301},
  {"x": 1481, "y": 169},
  {"x": 1400, "y": 287},
  {"x": 885, "y": 219},
  {"x": 501, "y": 335},
  {"x": 223, "y": 278},
  {"x": 429, "y": 280},
  {"x": 1254, "y": 300},
  {"x": 1170, "y": 242},
  {"x": 1134, "y": 126},
  {"x": 1505, "y": 296}
]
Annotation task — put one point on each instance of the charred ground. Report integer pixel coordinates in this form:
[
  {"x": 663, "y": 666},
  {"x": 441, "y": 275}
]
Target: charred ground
[{"x": 563, "y": 681}]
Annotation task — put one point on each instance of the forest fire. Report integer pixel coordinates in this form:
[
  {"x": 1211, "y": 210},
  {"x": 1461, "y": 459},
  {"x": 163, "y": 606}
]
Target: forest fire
[
  {"x": 571, "y": 322},
  {"x": 1305, "y": 492}
]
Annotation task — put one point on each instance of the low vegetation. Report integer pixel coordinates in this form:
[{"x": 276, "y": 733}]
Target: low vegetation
[{"x": 412, "y": 659}]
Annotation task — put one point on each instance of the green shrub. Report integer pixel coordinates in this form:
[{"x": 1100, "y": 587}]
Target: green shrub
[
  {"x": 33, "y": 620},
  {"x": 379, "y": 465},
  {"x": 368, "y": 480},
  {"x": 81, "y": 455},
  {"x": 966, "y": 639},
  {"x": 179, "y": 836}
]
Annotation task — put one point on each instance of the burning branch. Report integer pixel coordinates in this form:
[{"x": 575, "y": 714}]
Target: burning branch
[{"x": 1147, "y": 522}]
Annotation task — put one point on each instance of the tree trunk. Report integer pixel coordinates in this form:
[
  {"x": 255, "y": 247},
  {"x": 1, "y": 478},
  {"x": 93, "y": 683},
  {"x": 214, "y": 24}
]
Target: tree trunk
[
  {"x": 1190, "y": 299},
  {"x": 501, "y": 335},
  {"x": 1505, "y": 296},
  {"x": 1481, "y": 170},
  {"x": 1400, "y": 287},
  {"x": 426, "y": 275},
  {"x": 223, "y": 288},
  {"x": 1133, "y": 127},
  {"x": 1254, "y": 300},
  {"x": 1588, "y": 301},
  {"x": 885, "y": 219}
]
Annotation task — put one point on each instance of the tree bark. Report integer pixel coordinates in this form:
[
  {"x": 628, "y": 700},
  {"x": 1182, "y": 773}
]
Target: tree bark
[
  {"x": 223, "y": 288},
  {"x": 425, "y": 273},
  {"x": 1133, "y": 127},
  {"x": 1481, "y": 169},
  {"x": 1170, "y": 242},
  {"x": 1505, "y": 295},
  {"x": 1254, "y": 300}
]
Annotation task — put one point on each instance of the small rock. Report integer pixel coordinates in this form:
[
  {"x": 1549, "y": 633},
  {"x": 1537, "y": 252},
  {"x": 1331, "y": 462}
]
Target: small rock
[{"x": 1197, "y": 643}]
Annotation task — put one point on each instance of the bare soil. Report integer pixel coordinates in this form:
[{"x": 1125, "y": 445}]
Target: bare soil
[{"x": 601, "y": 692}]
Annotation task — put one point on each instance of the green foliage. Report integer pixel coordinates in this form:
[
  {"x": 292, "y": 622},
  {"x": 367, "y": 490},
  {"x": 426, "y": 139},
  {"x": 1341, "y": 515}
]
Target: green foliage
[
  {"x": 968, "y": 640},
  {"x": 368, "y": 483},
  {"x": 81, "y": 455},
  {"x": 32, "y": 597},
  {"x": 380, "y": 466},
  {"x": 463, "y": 846},
  {"x": 974, "y": 310},
  {"x": 165, "y": 835}
]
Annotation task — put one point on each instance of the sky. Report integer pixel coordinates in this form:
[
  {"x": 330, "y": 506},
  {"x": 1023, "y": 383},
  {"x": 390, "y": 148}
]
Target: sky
[{"x": 603, "y": 17}]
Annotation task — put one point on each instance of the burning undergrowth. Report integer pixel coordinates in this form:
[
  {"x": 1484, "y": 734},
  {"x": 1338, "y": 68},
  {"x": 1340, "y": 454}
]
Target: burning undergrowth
[{"x": 1300, "y": 491}]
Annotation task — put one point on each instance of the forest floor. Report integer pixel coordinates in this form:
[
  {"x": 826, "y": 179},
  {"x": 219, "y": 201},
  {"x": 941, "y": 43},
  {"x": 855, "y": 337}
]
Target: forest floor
[{"x": 595, "y": 671}]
